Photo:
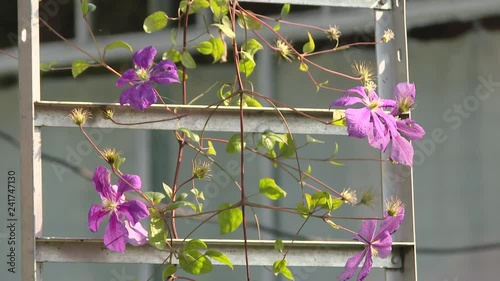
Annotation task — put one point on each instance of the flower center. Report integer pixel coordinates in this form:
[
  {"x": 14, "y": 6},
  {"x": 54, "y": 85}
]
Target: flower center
[
  {"x": 109, "y": 204},
  {"x": 374, "y": 104},
  {"x": 405, "y": 104},
  {"x": 143, "y": 74}
]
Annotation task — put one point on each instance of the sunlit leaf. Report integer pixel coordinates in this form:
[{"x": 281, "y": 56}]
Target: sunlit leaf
[
  {"x": 168, "y": 190},
  {"x": 218, "y": 48},
  {"x": 155, "y": 197},
  {"x": 78, "y": 66},
  {"x": 230, "y": 219},
  {"x": 194, "y": 262},
  {"x": 168, "y": 271},
  {"x": 219, "y": 9},
  {"x": 195, "y": 244},
  {"x": 190, "y": 135},
  {"x": 157, "y": 235},
  {"x": 279, "y": 245},
  {"x": 118, "y": 44},
  {"x": 205, "y": 48},
  {"x": 247, "y": 22},
  {"x": 155, "y": 22},
  {"x": 309, "y": 46},
  {"x": 172, "y": 55},
  {"x": 234, "y": 144},
  {"x": 187, "y": 60},
  {"x": 220, "y": 257},
  {"x": 287, "y": 149},
  {"x": 279, "y": 267},
  {"x": 211, "y": 149},
  {"x": 285, "y": 10},
  {"x": 268, "y": 187}
]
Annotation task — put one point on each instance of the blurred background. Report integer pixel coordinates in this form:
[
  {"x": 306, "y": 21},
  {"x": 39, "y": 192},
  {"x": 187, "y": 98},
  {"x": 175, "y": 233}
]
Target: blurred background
[{"x": 454, "y": 54}]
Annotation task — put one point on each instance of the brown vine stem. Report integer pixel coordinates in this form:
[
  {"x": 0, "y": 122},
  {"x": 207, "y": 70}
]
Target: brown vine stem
[
  {"x": 233, "y": 12},
  {"x": 8, "y": 54}
]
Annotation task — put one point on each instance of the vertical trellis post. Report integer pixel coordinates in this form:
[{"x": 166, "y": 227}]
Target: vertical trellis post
[
  {"x": 30, "y": 139},
  {"x": 397, "y": 180}
]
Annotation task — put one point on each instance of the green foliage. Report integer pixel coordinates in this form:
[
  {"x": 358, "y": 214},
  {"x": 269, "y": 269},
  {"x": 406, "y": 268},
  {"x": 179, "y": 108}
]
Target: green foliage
[
  {"x": 173, "y": 55},
  {"x": 190, "y": 135},
  {"x": 268, "y": 187},
  {"x": 225, "y": 95},
  {"x": 117, "y": 45},
  {"x": 196, "y": 5},
  {"x": 187, "y": 60},
  {"x": 219, "y": 9},
  {"x": 214, "y": 46},
  {"x": 211, "y": 149},
  {"x": 155, "y": 22},
  {"x": 79, "y": 66},
  {"x": 250, "y": 102},
  {"x": 168, "y": 190},
  {"x": 279, "y": 245},
  {"x": 248, "y": 51},
  {"x": 279, "y": 267},
  {"x": 287, "y": 149},
  {"x": 155, "y": 197},
  {"x": 192, "y": 261},
  {"x": 87, "y": 7},
  {"x": 229, "y": 218},
  {"x": 247, "y": 22},
  {"x": 220, "y": 257},
  {"x": 320, "y": 200},
  {"x": 47, "y": 66},
  {"x": 234, "y": 144},
  {"x": 226, "y": 27},
  {"x": 309, "y": 46},
  {"x": 285, "y": 10},
  {"x": 168, "y": 271},
  {"x": 157, "y": 234}
]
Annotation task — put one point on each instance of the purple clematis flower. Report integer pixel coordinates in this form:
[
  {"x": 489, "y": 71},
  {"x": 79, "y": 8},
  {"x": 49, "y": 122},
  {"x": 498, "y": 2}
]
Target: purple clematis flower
[
  {"x": 142, "y": 94},
  {"x": 371, "y": 121},
  {"x": 404, "y": 95},
  {"x": 123, "y": 225},
  {"x": 379, "y": 243}
]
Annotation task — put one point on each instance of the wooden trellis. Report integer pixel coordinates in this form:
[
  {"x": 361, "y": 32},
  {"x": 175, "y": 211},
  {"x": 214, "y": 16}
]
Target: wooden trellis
[{"x": 36, "y": 249}]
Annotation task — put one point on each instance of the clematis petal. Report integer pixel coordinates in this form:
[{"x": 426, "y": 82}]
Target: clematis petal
[
  {"x": 115, "y": 235},
  {"x": 128, "y": 76},
  {"x": 367, "y": 266},
  {"x": 345, "y": 101},
  {"x": 133, "y": 210},
  {"x": 96, "y": 215},
  {"x": 367, "y": 231},
  {"x": 383, "y": 244},
  {"x": 351, "y": 265},
  {"x": 410, "y": 130},
  {"x": 405, "y": 90},
  {"x": 139, "y": 96},
  {"x": 165, "y": 73},
  {"x": 358, "y": 122},
  {"x": 402, "y": 150},
  {"x": 102, "y": 182},
  {"x": 387, "y": 103},
  {"x": 137, "y": 235},
  {"x": 144, "y": 57},
  {"x": 132, "y": 182},
  {"x": 392, "y": 223}
]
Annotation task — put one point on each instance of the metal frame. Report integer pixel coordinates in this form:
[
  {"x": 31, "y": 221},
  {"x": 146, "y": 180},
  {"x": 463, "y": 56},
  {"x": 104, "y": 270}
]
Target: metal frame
[{"x": 35, "y": 250}]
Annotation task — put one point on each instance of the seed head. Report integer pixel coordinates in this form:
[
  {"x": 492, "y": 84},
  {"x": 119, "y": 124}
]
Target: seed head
[
  {"x": 202, "y": 170},
  {"x": 333, "y": 33},
  {"x": 364, "y": 71},
  {"x": 388, "y": 36},
  {"x": 79, "y": 116},
  {"x": 349, "y": 196},
  {"x": 284, "y": 50}
]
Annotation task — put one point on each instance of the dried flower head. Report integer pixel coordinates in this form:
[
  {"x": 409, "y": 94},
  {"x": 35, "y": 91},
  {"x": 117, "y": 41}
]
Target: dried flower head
[
  {"x": 367, "y": 197},
  {"x": 79, "y": 116},
  {"x": 363, "y": 70},
  {"x": 107, "y": 113},
  {"x": 113, "y": 157},
  {"x": 388, "y": 36},
  {"x": 394, "y": 206},
  {"x": 349, "y": 196},
  {"x": 333, "y": 33},
  {"x": 284, "y": 50},
  {"x": 202, "y": 170}
]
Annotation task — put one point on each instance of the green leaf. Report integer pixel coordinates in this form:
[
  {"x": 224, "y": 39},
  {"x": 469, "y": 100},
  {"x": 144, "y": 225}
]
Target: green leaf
[
  {"x": 196, "y": 6},
  {"x": 230, "y": 219},
  {"x": 234, "y": 144},
  {"x": 168, "y": 271},
  {"x": 211, "y": 149},
  {"x": 172, "y": 55},
  {"x": 118, "y": 44},
  {"x": 194, "y": 244},
  {"x": 190, "y": 135},
  {"x": 85, "y": 7},
  {"x": 309, "y": 46},
  {"x": 157, "y": 235},
  {"x": 279, "y": 266},
  {"x": 308, "y": 172},
  {"x": 310, "y": 139},
  {"x": 155, "y": 22},
  {"x": 220, "y": 257},
  {"x": 168, "y": 190},
  {"x": 225, "y": 27},
  {"x": 47, "y": 66},
  {"x": 225, "y": 95},
  {"x": 78, "y": 67},
  {"x": 268, "y": 187},
  {"x": 219, "y": 50},
  {"x": 156, "y": 197},
  {"x": 303, "y": 67},
  {"x": 247, "y": 66},
  {"x": 179, "y": 204},
  {"x": 251, "y": 47},
  {"x": 194, "y": 262},
  {"x": 279, "y": 245},
  {"x": 219, "y": 9},
  {"x": 287, "y": 149},
  {"x": 205, "y": 48},
  {"x": 285, "y": 10},
  {"x": 245, "y": 21},
  {"x": 251, "y": 102},
  {"x": 187, "y": 60},
  {"x": 91, "y": 8},
  {"x": 336, "y": 163}
]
